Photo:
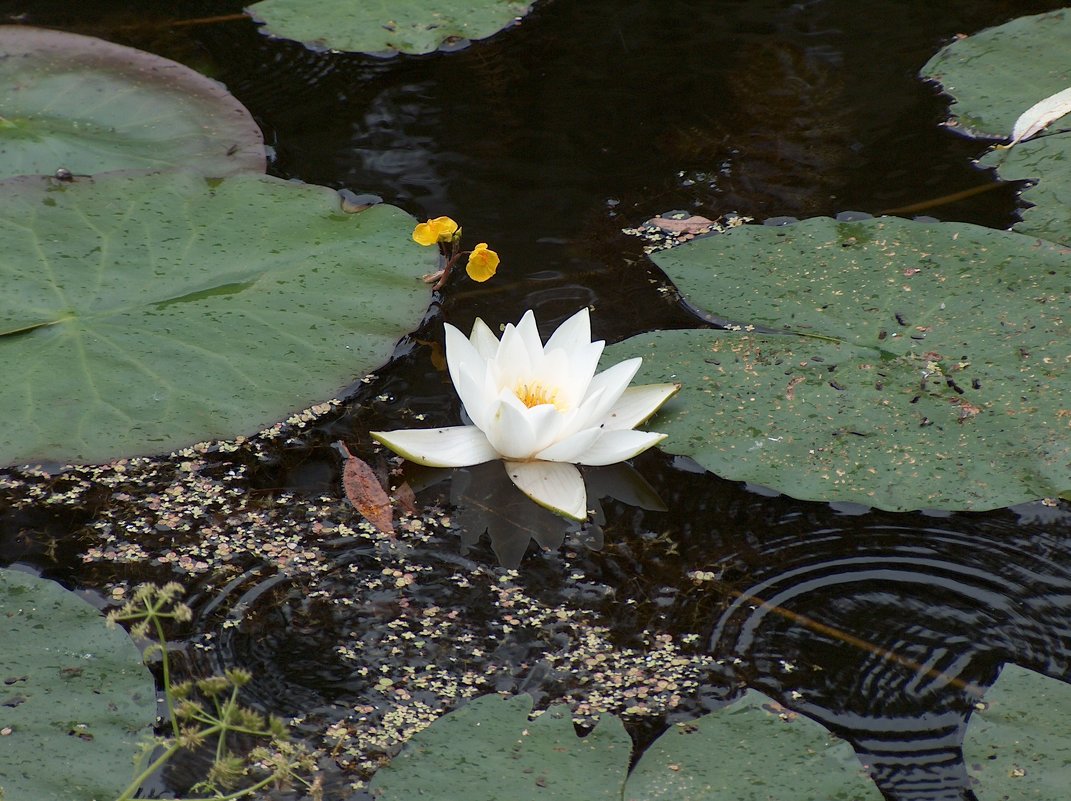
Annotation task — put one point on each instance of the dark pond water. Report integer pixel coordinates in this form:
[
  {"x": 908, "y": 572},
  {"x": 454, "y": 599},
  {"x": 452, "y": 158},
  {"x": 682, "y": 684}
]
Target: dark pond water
[{"x": 546, "y": 141}]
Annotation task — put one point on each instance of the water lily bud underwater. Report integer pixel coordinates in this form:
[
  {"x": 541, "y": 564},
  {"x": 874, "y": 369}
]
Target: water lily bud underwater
[{"x": 541, "y": 409}]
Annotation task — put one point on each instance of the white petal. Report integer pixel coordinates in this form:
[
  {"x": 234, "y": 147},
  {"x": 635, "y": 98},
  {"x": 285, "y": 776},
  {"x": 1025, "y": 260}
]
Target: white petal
[
  {"x": 475, "y": 394},
  {"x": 583, "y": 362},
  {"x": 558, "y": 486},
  {"x": 546, "y": 422},
  {"x": 573, "y": 333},
  {"x": 458, "y": 446},
  {"x": 612, "y": 383},
  {"x": 582, "y": 418},
  {"x": 571, "y": 448},
  {"x": 528, "y": 332},
  {"x": 512, "y": 364},
  {"x": 461, "y": 354},
  {"x": 483, "y": 339},
  {"x": 637, "y": 404},
  {"x": 616, "y": 446},
  {"x": 516, "y": 431}
]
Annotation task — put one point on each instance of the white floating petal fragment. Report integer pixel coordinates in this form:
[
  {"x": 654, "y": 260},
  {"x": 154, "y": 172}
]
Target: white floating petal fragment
[{"x": 1041, "y": 115}]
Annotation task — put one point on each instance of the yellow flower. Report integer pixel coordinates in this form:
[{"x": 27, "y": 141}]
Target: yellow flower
[
  {"x": 432, "y": 232},
  {"x": 482, "y": 263}
]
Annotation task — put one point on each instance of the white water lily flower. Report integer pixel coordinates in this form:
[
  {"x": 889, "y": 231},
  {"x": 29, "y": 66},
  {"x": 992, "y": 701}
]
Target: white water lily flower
[{"x": 540, "y": 409}]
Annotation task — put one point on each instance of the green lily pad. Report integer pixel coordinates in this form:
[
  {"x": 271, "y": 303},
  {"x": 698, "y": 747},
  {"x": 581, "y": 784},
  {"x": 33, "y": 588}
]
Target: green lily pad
[
  {"x": 751, "y": 750},
  {"x": 488, "y": 750},
  {"x": 75, "y": 697},
  {"x": 387, "y": 26},
  {"x": 144, "y": 313},
  {"x": 1017, "y": 744},
  {"x": 1047, "y": 161},
  {"x": 89, "y": 106},
  {"x": 924, "y": 365},
  {"x": 996, "y": 75}
]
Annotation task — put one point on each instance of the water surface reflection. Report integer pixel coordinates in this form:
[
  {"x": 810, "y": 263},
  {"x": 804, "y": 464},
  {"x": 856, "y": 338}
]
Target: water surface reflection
[{"x": 592, "y": 116}]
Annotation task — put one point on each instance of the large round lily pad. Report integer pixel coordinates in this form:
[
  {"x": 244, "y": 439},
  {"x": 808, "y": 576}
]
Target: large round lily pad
[
  {"x": 996, "y": 75},
  {"x": 387, "y": 26},
  {"x": 144, "y": 313},
  {"x": 89, "y": 106},
  {"x": 75, "y": 698},
  {"x": 751, "y": 750},
  {"x": 488, "y": 750},
  {"x": 925, "y": 365}
]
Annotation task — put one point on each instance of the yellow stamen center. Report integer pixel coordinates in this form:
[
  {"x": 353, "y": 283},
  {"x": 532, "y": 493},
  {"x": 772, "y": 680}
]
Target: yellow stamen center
[{"x": 537, "y": 395}]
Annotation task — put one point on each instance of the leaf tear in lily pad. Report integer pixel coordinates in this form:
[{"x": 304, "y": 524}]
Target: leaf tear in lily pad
[{"x": 85, "y": 106}]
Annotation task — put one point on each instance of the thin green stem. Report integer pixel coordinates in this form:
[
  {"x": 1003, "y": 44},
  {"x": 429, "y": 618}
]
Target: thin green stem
[
  {"x": 225, "y": 712},
  {"x": 230, "y": 796},
  {"x": 141, "y": 778},
  {"x": 165, "y": 667}
]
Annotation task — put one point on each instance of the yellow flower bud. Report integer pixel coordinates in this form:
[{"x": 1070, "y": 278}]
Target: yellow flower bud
[
  {"x": 432, "y": 232},
  {"x": 482, "y": 263}
]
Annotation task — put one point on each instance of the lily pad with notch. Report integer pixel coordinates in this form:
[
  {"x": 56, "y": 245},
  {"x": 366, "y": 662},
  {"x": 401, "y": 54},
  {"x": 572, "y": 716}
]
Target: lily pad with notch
[
  {"x": 144, "y": 313},
  {"x": 750, "y": 750},
  {"x": 922, "y": 365},
  {"x": 81, "y": 105}
]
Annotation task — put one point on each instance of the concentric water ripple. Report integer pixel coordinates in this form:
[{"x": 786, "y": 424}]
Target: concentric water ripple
[{"x": 887, "y": 634}]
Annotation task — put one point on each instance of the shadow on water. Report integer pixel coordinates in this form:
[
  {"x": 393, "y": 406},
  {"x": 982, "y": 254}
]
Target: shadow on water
[{"x": 590, "y": 117}]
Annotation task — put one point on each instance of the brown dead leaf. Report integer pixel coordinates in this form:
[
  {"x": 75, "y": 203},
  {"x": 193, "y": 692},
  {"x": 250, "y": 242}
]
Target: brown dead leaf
[
  {"x": 691, "y": 225},
  {"x": 365, "y": 492},
  {"x": 406, "y": 499}
]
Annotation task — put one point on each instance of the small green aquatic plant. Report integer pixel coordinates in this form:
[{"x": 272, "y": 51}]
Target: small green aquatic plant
[{"x": 208, "y": 709}]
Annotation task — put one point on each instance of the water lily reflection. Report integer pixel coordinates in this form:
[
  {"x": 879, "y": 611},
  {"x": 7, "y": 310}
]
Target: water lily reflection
[
  {"x": 542, "y": 410},
  {"x": 486, "y": 501}
]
